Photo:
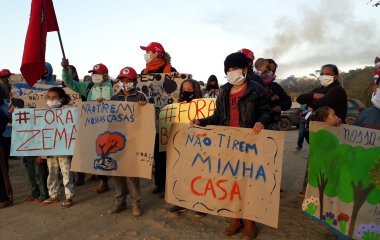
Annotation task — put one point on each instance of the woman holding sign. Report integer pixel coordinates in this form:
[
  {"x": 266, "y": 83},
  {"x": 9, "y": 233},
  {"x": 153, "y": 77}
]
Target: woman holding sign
[
  {"x": 123, "y": 185},
  {"x": 158, "y": 61},
  {"x": 241, "y": 103}
]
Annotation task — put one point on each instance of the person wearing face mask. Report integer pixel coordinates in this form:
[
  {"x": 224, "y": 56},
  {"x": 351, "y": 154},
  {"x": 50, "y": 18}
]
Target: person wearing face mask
[
  {"x": 370, "y": 118},
  {"x": 59, "y": 165},
  {"x": 331, "y": 94},
  {"x": 251, "y": 73},
  {"x": 100, "y": 89},
  {"x": 212, "y": 87},
  {"x": 5, "y": 86},
  {"x": 280, "y": 100},
  {"x": 190, "y": 90},
  {"x": 127, "y": 81},
  {"x": 242, "y": 103},
  {"x": 157, "y": 61}
]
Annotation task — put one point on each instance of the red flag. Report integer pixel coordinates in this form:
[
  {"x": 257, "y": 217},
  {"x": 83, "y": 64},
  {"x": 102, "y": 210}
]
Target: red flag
[{"x": 42, "y": 20}]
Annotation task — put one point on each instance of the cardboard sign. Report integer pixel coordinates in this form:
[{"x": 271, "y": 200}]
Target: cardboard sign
[
  {"x": 225, "y": 171},
  {"x": 343, "y": 189},
  {"x": 183, "y": 112},
  {"x": 35, "y": 97},
  {"x": 43, "y": 132},
  {"x": 115, "y": 139}
]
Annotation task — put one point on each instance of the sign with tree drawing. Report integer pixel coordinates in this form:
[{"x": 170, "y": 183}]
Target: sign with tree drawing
[{"x": 344, "y": 180}]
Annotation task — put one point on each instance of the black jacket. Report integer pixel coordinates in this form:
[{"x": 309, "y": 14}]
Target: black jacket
[
  {"x": 334, "y": 96},
  {"x": 253, "y": 107},
  {"x": 285, "y": 101},
  {"x": 134, "y": 96}
]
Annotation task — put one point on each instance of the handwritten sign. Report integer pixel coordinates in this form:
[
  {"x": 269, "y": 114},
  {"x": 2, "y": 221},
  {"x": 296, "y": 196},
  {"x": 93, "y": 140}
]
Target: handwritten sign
[
  {"x": 35, "y": 97},
  {"x": 183, "y": 112},
  {"x": 225, "y": 171},
  {"x": 43, "y": 132},
  {"x": 115, "y": 138},
  {"x": 343, "y": 189}
]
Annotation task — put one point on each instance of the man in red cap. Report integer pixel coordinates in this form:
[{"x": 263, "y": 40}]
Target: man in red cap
[
  {"x": 5, "y": 86},
  {"x": 127, "y": 84},
  {"x": 99, "y": 89},
  {"x": 251, "y": 74}
]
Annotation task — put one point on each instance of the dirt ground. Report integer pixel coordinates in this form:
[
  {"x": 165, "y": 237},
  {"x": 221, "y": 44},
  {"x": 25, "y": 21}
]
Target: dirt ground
[{"x": 88, "y": 217}]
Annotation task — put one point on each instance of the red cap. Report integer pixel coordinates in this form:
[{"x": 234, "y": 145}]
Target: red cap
[
  {"x": 155, "y": 47},
  {"x": 127, "y": 72},
  {"x": 248, "y": 53},
  {"x": 5, "y": 73},
  {"x": 99, "y": 69}
]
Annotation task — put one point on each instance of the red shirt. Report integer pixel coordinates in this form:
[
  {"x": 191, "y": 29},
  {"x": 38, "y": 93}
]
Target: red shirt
[{"x": 234, "y": 107}]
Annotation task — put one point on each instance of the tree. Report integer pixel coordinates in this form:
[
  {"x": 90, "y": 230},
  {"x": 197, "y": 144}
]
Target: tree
[{"x": 109, "y": 142}]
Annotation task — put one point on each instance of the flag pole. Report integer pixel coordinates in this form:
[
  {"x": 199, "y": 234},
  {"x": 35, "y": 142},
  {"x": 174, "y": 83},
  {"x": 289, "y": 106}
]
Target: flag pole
[{"x": 60, "y": 42}]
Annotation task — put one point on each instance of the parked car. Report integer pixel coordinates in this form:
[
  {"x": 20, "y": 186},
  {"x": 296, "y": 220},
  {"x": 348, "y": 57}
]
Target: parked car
[
  {"x": 289, "y": 118},
  {"x": 354, "y": 108}
]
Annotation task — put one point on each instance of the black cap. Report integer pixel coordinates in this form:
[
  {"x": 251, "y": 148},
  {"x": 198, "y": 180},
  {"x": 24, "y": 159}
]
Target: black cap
[{"x": 236, "y": 59}]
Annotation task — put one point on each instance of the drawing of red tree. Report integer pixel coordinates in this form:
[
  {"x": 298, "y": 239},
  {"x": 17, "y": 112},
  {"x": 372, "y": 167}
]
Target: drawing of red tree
[{"x": 107, "y": 143}]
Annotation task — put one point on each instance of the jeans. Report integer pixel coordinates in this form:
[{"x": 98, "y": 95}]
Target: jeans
[
  {"x": 53, "y": 181},
  {"x": 301, "y": 133},
  {"x": 125, "y": 185},
  {"x": 37, "y": 174}
]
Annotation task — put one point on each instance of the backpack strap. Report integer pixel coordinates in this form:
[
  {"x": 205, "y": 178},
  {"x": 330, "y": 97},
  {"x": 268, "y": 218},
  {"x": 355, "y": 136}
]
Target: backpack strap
[{"x": 89, "y": 86}]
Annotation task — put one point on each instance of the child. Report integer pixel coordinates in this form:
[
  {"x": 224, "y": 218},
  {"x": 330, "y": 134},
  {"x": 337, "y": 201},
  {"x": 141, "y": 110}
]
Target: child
[
  {"x": 323, "y": 114},
  {"x": 242, "y": 103},
  {"x": 123, "y": 185},
  {"x": 57, "y": 98},
  {"x": 190, "y": 90},
  {"x": 262, "y": 67}
]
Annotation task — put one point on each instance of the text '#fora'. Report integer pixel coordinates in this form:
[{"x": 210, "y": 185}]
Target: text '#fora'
[{"x": 108, "y": 113}]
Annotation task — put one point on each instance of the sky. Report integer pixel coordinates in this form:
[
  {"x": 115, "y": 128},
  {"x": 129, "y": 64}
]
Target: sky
[{"x": 299, "y": 35}]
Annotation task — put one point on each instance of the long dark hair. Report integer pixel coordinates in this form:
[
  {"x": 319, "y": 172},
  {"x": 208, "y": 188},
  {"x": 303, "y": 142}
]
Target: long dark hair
[
  {"x": 61, "y": 94},
  {"x": 196, "y": 86},
  {"x": 333, "y": 67},
  {"x": 212, "y": 78}
]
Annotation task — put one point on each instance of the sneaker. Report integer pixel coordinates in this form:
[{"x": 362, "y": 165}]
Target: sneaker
[
  {"x": 136, "y": 210},
  {"x": 50, "y": 201},
  {"x": 103, "y": 187},
  {"x": 117, "y": 208},
  {"x": 298, "y": 148},
  {"x": 177, "y": 209}
]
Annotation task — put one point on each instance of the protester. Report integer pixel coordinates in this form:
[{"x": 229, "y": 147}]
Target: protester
[
  {"x": 370, "y": 118},
  {"x": 250, "y": 58},
  {"x": 5, "y": 86},
  {"x": 212, "y": 87},
  {"x": 323, "y": 114},
  {"x": 99, "y": 90},
  {"x": 87, "y": 78},
  {"x": 127, "y": 83},
  {"x": 237, "y": 95},
  {"x": 189, "y": 91},
  {"x": 280, "y": 100},
  {"x": 6, "y": 193},
  {"x": 47, "y": 76},
  {"x": 302, "y": 128},
  {"x": 331, "y": 94},
  {"x": 158, "y": 61},
  {"x": 57, "y": 98}
]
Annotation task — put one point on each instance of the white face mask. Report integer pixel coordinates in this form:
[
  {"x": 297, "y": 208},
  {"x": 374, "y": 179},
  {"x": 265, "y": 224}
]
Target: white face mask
[
  {"x": 235, "y": 77},
  {"x": 54, "y": 103},
  {"x": 377, "y": 65},
  {"x": 97, "y": 78},
  {"x": 147, "y": 58},
  {"x": 326, "y": 80},
  {"x": 126, "y": 86}
]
